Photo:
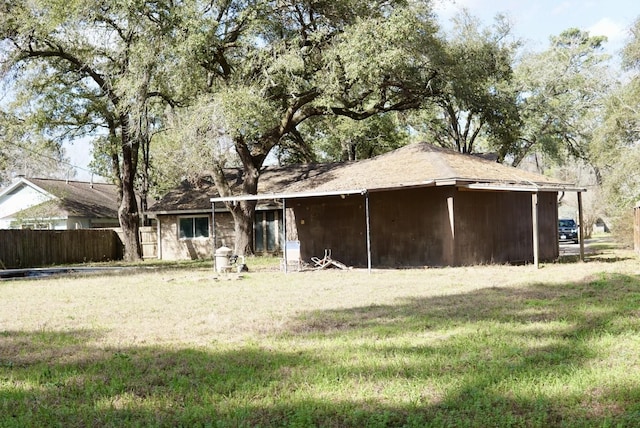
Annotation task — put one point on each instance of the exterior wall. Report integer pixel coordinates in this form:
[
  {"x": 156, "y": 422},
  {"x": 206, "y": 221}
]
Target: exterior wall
[
  {"x": 173, "y": 248},
  {"x": 78, "y": 223},
  {"x": 548, "y": 226},
  {"x": 332, "y": 223},
  {"x": 411, "y": 227},
  {"x": 408, "y": 228},
  {"x": 60, "y": 223},
  {"x": 21, "y": 198},
  {"x": 496, "y": 227},
  {"x": 431, "y": 226}
]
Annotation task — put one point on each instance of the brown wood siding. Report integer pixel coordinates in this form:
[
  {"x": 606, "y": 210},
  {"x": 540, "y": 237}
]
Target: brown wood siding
[
  {"x": 408, "y": 228},
  {"x": 496, "y": 227},
  {"x": 332, "y": 223},
  {"x": 412, "y": 227},
  {"x": 548, "y": 223}
]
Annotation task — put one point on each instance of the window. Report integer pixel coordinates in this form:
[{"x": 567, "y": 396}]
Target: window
[{"x": 193, "y": 227}]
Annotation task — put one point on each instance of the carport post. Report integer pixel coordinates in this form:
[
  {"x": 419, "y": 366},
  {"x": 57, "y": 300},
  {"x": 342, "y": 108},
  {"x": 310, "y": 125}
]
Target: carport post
[
  {"x": 580, "y": 227},
  {"x": 284, "y": 233},
  {"x": 213, "y": 230},
  {"x": 534, "y": 217},
  {"x": 366, "y": 210}
]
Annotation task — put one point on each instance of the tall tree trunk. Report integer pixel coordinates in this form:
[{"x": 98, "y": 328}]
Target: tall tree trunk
[
  {"x": 244, "y": 217},
  {"x": 128, "y": 211},
  {"x": 244, "y": 212}
]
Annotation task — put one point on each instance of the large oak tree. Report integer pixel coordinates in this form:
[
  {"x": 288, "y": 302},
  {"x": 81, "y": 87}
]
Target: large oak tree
[
  {"x": 266, "y": 67},
  {"x": 92, "y": 68}
]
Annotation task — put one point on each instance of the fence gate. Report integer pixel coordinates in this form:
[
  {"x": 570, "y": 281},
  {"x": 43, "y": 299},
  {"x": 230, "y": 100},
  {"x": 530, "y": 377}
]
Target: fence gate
[
  {"x": 149, "y": 242},
  {"x": 636, "y": 228}
]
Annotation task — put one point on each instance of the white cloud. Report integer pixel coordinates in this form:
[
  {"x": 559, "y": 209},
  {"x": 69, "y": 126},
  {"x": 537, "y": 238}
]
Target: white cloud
[{"x": 616, "y": 32}]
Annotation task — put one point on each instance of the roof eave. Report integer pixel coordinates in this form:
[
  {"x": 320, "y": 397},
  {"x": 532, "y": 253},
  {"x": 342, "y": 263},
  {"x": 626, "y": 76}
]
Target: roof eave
[
  {"x": 522, "y": 187},
  {"x": 277, "y": 196}
]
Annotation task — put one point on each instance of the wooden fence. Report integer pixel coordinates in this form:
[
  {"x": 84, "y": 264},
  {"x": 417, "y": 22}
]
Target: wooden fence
[
  {"x": 36, "y": 248},
  {"x": 636, "y": 228}
]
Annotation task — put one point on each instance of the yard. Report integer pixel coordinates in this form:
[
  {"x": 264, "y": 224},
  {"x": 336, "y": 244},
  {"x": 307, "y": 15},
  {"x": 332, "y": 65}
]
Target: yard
[{"x": 472, "y": 346}]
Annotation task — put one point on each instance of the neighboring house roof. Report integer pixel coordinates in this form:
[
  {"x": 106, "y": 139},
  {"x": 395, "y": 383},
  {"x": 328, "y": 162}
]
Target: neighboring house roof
[
  {"x": 70, "y": 198},
  {"x": 193, "y": 197}
]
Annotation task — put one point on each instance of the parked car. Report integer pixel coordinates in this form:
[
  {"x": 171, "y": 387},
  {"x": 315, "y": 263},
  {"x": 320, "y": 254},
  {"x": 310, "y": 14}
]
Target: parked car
[{"x": 567, "y": 230}]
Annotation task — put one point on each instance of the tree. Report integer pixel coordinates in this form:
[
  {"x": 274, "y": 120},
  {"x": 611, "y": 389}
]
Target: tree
[
  {"x": 267, "y": 67},
  {"x": 91, "y": 68},
  {"x": 25, "y": 152},
  {"x": 561, "y": 92},
  {"x": 615, "y": 151},
  {"x": 477, "y": 101},
  {"x": 339, "y": 138}
]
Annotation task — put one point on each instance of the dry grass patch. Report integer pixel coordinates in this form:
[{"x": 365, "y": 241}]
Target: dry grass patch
[{"x": 475, "y": 346}]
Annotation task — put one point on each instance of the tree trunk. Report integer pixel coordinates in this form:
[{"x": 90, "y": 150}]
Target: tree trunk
[
  {"x": 128, "y": 210},
  {"x": 244, "y": 212},
  {"x": 243, "y": 219}
]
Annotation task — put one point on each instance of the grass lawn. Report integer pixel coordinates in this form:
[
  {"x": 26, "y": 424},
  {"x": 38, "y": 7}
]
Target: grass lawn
[{"x": 452, "y": 347}]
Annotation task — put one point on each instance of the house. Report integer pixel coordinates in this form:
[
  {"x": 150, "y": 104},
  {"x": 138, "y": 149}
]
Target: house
[
  {"x": 39, "y": 203},
  {"x": 184, "y": 215},
  {"x": 421, "y": 205}
]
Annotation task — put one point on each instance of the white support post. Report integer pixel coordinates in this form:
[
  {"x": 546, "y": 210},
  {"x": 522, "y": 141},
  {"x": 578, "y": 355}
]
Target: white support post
[
  {"x": 580, "y": 227},
  {"x": 213, "y": 232},
  {"x": 534, "y": 216},
  {"x": 284, "y": 234}
]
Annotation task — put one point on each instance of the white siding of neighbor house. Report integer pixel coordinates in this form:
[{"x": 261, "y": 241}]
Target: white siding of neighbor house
[{"x": 20, "y": 199}]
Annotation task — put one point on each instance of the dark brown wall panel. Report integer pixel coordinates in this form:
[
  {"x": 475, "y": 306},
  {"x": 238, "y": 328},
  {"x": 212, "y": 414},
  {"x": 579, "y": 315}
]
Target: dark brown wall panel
[
  {"x": 496, "y": 227},
  {"x": 411, "y": 227},
  {"x": 332, "y": 223}
]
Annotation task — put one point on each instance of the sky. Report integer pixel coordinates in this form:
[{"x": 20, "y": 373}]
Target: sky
[{"x": 534, "y": 21}]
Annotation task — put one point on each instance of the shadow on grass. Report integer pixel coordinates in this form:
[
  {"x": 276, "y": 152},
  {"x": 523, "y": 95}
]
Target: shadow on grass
[{"x": 464, "y": 351}]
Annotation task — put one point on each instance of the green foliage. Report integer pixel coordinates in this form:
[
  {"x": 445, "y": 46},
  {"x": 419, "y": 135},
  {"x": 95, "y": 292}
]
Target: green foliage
[
  {"x": 614, "y": 150},
  {"x": 561, "y": 92},
  {"x": 25, "y": 151},
  {"x": 342, "y": 139},
  {"x": 475, "y": 103}
]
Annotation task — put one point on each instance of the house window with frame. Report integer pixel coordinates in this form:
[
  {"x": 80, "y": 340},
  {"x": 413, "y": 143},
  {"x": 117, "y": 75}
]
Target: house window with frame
[{"x": 193, "y": 227}]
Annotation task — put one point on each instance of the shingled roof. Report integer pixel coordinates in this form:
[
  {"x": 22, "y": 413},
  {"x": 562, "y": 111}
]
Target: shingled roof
[
  {"x": 81, "y": 199},
  {"x": 418, "y": 164},
  {"x": 193, "y": 197}
]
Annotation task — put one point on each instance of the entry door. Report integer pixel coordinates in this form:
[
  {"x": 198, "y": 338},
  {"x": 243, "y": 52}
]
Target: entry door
[{"x": 267, "y": 229}]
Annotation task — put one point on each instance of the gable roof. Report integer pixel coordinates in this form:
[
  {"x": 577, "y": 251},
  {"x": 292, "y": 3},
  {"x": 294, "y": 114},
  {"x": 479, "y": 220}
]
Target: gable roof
[{"x": 75, "y": 198}]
